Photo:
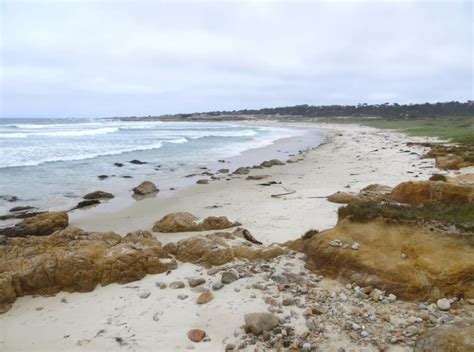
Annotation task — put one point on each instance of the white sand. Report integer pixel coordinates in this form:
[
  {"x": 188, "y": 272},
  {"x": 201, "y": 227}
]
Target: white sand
[{"x": 356, "y": 158}]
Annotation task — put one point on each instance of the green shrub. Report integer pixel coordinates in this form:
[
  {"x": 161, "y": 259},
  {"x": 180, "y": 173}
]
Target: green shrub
[
  {"x": 459, "y": 215},
  {"x": 438, "y": 177}
]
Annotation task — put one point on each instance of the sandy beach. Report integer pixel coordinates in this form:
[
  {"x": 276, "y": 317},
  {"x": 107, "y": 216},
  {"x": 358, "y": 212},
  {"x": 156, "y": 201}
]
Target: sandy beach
[
  {"x": 115, "y": 317},
  {"x": 353, "y": 158}
]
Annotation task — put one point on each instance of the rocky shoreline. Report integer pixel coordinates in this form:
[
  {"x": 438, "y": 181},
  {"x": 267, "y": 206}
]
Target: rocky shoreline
[{"x": 371, "y": 282}]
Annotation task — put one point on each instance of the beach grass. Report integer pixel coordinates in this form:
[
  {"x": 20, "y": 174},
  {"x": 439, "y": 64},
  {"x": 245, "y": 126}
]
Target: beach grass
[{"x": 454, "y": 129}]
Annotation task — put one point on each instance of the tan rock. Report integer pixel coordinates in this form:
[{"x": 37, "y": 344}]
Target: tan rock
[
  {"x": 371, "y": 193},
  {"x": 205, "y": 297},
  {"x": 453, "y": 337},
  {"x": 423, "y": 192},
  {"x": 185, "y": 222},
  {"x": 273, "y": 162},
  {"x": 98, "y": 195},
  {"x": 223, "y": 247},
  {"x": 73, "y": 260},
  {"x": 39, "y": 225},
  {"x": 196, "y": 335},
  {"x": 379, "y": 262},
  {"x": 145, "y": 188}
]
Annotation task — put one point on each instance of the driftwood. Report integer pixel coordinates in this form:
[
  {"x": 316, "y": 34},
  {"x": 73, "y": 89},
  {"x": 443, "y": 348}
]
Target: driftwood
[{"x": 282, "y": 194}]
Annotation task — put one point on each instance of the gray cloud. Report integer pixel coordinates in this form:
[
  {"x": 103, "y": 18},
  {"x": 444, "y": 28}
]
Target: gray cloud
[{"x": 103, "y": 58}]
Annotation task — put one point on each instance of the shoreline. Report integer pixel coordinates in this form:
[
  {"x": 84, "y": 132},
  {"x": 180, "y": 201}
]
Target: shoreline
[
  {"x": 347, "y": 161},
  {"x": 353, "y": 158}
]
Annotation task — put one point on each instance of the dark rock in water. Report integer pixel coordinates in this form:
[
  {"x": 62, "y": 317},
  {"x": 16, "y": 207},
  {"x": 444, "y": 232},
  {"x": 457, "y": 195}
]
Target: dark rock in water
[
  {"x": 103, "y": 177},
  {"x": 16, "y": 209},
  {"x": 127, "y": 176},
  {"x": 137, "y": 162},
  {"x": 21, "y": 215},
  {"x": 221, "y": 161},
  {"x": 39, "y": 225},
  {"x": 87, "y": 203},
  {"x": 223, "y": 171},
  {"x": 145, "y": 188},
  {"x": 9, "y": 198},
  {"x": 118, "y": 164},
  {"x": 202, "y": 182},
  {"x": 190, "y": 175},
  {"x": 98, "y": 195}
]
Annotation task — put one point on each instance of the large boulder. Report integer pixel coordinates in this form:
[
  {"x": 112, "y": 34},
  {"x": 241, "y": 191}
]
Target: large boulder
[
  {"x": 453, "y": 337},
  {"x": 424, "y": 192},
  {"x": 73, "y": 260},
  {"x": 145, "y": 188},
  {"x": 220, "y": 248},
  {"x": 409, "y": 260},
  {"x": 371, "y": 193},
  {"x": 98, "y": 195},
  {"x": 185, "y": 222},
  {"x": 39, "y": 225}
]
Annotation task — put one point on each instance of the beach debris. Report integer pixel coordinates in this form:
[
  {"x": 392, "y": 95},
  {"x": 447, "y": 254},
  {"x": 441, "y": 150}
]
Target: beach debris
[
  {"x": 145, "y": 188},
  {"x": 249, "y": 237},
  {"x": 98, "y": 195}
]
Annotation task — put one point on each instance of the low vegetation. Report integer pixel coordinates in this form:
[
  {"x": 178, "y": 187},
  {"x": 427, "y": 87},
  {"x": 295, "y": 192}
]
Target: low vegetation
[
  {"x": 459, "y": 215},
  {"x": 454, "y": 129}
]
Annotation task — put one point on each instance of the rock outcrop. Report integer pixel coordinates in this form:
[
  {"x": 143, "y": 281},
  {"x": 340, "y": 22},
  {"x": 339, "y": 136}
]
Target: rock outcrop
[
  {"x": 425, "y": 192},
  {"x": 371, "y": 193},
  {"x": 273, "y": 162},
  {"x": 73, "y": 260},
  {"x": 145, "y": 188},
  {"x": 453, "y": 337},
  {"x": 186, "y": 222},
  {"x": 411, "y": 261},
  {"x": 220, "y": 248},
  {"x": 98, "y": 195},
  {"x": 39, "y": 225}
]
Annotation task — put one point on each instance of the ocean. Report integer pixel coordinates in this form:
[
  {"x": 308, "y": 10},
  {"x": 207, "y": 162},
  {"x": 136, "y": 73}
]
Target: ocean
[{"x": 52, "y": 163}]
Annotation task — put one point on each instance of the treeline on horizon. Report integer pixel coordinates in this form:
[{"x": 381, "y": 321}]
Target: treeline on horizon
[{"x": 426, "y": 110}]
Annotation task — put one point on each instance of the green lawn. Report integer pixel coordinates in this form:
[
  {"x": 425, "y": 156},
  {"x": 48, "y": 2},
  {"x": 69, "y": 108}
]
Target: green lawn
[{"x": 456, "y": 129}]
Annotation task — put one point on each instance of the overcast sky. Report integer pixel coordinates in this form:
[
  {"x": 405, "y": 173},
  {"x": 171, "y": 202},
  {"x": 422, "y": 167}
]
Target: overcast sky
[{"x": 138, "y": 57}]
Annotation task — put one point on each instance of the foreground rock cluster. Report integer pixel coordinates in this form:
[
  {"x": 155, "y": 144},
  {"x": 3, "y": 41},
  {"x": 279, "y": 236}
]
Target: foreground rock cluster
[{"x": 76, "y": 261}]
